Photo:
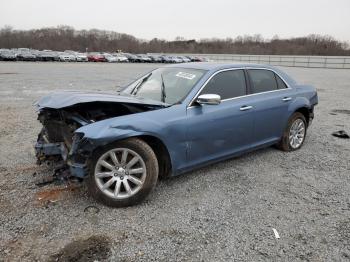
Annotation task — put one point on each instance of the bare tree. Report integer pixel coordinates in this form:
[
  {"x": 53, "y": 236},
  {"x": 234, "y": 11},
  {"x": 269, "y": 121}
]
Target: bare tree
[{"x": 67, "y": 38}]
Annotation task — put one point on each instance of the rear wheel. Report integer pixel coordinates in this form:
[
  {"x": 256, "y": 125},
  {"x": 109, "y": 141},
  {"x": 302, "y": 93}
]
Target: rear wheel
[
  {"x": 294, "y": 134},
  {"x": 124, "y": 173}
]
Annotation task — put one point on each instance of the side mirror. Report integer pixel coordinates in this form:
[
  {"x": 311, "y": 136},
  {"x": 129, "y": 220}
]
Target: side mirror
[{"x": 209, "y": 99}]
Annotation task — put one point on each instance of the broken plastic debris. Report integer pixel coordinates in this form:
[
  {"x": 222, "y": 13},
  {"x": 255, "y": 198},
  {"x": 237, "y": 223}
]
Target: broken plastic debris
[
  {"x": 341, "y": 134},
  {"x": 276, "y": 233}
]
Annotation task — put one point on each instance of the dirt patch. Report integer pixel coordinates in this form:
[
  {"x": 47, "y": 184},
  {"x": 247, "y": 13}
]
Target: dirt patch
[
  {"x": 94, "y": 248},
  {"x": 53, "y": 195}
]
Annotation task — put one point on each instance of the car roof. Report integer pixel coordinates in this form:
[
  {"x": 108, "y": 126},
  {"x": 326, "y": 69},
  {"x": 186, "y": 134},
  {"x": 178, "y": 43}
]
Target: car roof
[
  {"x": 216, "y": 66},
  {"x": 219, "y": 66}
]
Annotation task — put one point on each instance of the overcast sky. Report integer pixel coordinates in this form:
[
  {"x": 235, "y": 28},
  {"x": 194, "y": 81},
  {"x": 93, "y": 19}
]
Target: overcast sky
[{"x": 187, "y": 18}]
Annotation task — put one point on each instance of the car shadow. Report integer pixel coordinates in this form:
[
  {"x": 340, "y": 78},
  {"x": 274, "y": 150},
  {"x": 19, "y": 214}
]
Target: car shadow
[{"x": 218, "y": 168}]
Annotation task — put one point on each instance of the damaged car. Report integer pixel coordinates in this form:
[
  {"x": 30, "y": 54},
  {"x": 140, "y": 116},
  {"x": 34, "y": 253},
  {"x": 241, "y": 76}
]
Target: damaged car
[{"x": 170, "y": 121}]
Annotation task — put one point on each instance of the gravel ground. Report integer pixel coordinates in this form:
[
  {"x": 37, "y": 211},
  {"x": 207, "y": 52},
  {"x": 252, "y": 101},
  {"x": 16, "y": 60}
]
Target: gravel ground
[{"x": 225, "y": 212}]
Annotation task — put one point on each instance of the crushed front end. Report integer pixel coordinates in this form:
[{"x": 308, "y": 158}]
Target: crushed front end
[{"x": 58, "y": 140}]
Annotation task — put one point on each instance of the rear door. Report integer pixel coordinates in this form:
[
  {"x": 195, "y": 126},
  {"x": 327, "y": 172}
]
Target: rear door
[{"x": 270, "y": 98}]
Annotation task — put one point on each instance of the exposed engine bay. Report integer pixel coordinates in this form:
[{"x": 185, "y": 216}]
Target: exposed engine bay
[
  {"x": 59, "y": 124},
  {"x": 56, "y": 139},
  {"x": 62, "y": 113}
]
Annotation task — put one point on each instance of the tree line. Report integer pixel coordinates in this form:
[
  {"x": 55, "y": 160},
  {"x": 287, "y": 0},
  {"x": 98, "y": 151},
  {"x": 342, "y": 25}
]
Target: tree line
[{"x": 67, "y": 38}]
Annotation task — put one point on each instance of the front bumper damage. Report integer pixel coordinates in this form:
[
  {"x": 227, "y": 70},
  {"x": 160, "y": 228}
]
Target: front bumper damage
[
  {"x": 76, "y": 158},
  {"x": 63, "y": 113}
]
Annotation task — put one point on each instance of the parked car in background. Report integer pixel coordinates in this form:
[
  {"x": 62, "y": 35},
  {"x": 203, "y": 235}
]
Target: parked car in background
[
  {"x": 96, "y": 57},
  {"x": 8, "y": 55},
  {"x": 166, "y": 59},
  {"x": 80, "y": 57},
  {"x": 74, "y": 56},
  {"x": 56, "y": 56},
  {"x": 175, "y": 59},
  {"x": 170, "y": 121},
  {"x": 46, "y": 55},
  {"x": 156, "y": 58},
  {"x": 144, "y": 58},
  {"x": 69, "y": 52},
  {"x": 23, "y": 50},
  {"x": 131, "y": 58},
  {"x": 185, "y": 59},
  {"x": 65, "y": 57},
  {"x": 110, "y": 58},
  {"x": 196, "y": 59},
  {"x": 25, "y": 56},
  {"x": 121, "y": 57},
  {"x": 189, "y": 58}
]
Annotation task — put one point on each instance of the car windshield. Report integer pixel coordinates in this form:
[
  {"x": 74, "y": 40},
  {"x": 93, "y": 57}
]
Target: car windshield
[{"x": 169, "y": 85}]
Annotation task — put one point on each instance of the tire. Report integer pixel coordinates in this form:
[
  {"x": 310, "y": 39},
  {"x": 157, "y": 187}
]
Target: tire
[
  {"x": 123, "y": 195},
  {"x": 286, "y": 143}
]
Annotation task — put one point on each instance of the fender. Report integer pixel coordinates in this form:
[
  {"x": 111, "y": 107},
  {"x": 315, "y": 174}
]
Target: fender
[{"x": 111, "y": 130}]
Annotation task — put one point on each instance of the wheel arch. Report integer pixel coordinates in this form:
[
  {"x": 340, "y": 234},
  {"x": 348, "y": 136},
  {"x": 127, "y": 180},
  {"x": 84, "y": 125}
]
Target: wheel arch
[
  {"x": 158, "y": 146},
  {"x": 162, "y": 153},
  {"x": 301, "y": 105},
  {"x": 305, "y": 111}
]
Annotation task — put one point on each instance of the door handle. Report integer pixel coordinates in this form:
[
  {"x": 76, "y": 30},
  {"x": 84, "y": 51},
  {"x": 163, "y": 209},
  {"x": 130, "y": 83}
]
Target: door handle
[
  {"x": 285, "y": 99},
  {"x": 244, "y": 108}
]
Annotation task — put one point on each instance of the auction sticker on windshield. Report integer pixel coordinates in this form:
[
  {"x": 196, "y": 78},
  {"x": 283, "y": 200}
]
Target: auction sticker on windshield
[{"x": 186, "y": 75}]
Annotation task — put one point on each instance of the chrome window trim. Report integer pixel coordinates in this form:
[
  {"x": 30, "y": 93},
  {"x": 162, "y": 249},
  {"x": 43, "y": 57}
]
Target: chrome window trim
[{"x": 237, "y": 97}]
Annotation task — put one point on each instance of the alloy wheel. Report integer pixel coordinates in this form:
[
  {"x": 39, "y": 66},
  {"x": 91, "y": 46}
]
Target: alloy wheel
[
  {"x": 297, "y": 133},
  {"x": 120, "y": 173}
]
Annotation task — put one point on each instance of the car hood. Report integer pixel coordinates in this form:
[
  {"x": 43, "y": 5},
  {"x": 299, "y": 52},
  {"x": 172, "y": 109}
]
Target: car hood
[{"x": 63, "y": 99}]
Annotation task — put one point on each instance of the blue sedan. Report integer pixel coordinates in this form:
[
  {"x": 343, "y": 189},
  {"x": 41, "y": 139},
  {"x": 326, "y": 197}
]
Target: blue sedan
[{"x": 172, "y": 120}]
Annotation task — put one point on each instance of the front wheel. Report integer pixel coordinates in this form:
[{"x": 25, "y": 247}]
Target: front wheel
[
  {"x": 294, "y": 134},
  {"x": 124, "y": 173}
]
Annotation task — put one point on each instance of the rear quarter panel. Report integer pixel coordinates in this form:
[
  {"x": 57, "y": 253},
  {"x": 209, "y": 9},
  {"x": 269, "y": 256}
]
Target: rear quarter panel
[{"x": 305, "y": 96}]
